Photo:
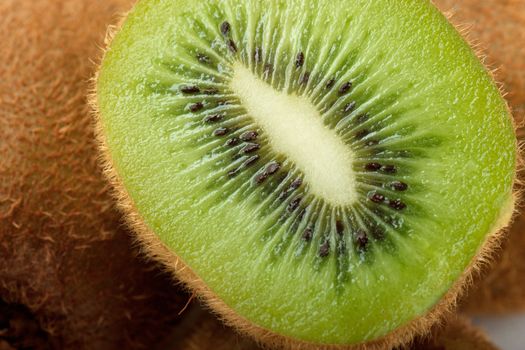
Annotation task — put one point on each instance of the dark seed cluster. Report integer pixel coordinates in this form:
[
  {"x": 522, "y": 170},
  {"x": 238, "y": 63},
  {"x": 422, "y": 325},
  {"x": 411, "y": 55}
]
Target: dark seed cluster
[
  {"x": 243, "y": 144},
  {"x": 378, "y": 198}
]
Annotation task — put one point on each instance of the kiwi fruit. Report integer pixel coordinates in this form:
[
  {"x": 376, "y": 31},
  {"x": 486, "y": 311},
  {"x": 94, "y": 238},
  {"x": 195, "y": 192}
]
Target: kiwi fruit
[
  {"x": 70, "y": 275},
  {"x": 498, "y": 28},
  {"x": 324, "y": 174}
]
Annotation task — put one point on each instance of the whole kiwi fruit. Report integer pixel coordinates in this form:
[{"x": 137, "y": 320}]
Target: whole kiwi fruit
[
  {"x": 70, "y": 276},
  {"x": 498, "y": 29},
  {"x": 323, "y": 174}
]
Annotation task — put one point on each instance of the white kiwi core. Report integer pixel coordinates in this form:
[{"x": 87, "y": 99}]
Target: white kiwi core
[{"x": 295, "y": 129}]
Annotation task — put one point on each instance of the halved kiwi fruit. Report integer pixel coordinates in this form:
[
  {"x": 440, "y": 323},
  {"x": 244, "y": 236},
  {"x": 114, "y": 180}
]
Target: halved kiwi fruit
[
  {"x": 499, "y": 31},
  {"x": 70, "y": 276},
  {"x": 322, "y": 173}
]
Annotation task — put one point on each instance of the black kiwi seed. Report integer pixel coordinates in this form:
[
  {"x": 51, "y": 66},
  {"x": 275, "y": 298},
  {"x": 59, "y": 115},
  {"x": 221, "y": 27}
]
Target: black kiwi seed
[
  {"x": 399, "y": 186},
  {"x": 251, "y": 161},
  {"x": 190, "y": 89},
  {"x": 225, "y": 28},
  {"x": 257, "y": 55},
  {"x": 250, "y": 148},
  {"x": 249, "y": 135},
  {"x": 324, "y": 249},
  {"x": 339, "y": 227},
  {"x": 361, "y": 238},
  {"x": 196, "y": 107},
  {"x": 361, "y": 134},
  {"x": 234, "y": 141},
  {"x": 377, "y": 198},
  {"x": 231, "y": 45},
  {"x": 307, "y": 235},
  {"x": 299, "y": 61},
  {"x": 294, "y": 203},
  {"x": 330, "y": 83},
  {"x": 213, "y": 118},
  {"x": 390, "y": 169},
  {"x": 260, "y": 178},
  {"x": 272, "y": 168},
  {"x": 296, "y": 184},
  {"x": 345, "y": 88},
  {"x": 221, "y": 131},
  {"x": 349, "y": 107},
  {"x": 305, "y": 78},
  {"x": 397, "y": 204},
  {"x": 202, "y": 58},
  {"x": 372, "y": 166}
]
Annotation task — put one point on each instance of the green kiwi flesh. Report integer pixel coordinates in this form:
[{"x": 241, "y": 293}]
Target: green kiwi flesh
[{"x": 328, "y": 169}]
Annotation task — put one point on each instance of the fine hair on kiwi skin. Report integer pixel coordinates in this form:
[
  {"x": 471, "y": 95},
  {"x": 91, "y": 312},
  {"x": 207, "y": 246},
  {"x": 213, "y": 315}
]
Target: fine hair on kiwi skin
[
  {"x": 205, "y": 331},
  {"x": 457, "y": 334},
  {"x": 161, "y": 252},
  {"x": 68, "y": 269},
  {"x": 499, "y": 30}
]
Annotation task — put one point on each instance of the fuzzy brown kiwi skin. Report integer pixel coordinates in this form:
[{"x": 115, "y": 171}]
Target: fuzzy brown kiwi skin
[
  {"x": 64, "y": 253},
  {"x": 154, "y": 248},
  {"x": 498, "y": 28},
  {"x": 457, "y": 334},
  {"x": 208, "y": 333}
]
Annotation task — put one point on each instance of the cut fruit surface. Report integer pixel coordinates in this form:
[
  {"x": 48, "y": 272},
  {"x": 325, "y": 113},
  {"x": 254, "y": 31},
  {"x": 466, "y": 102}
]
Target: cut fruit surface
[
  {"x": 328, "y": 169},
  {"x": 500, "y": 31}
]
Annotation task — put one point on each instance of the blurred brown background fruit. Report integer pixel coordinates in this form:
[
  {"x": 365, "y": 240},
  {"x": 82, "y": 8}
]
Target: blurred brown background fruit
[{"x": 69, "y": 274}]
